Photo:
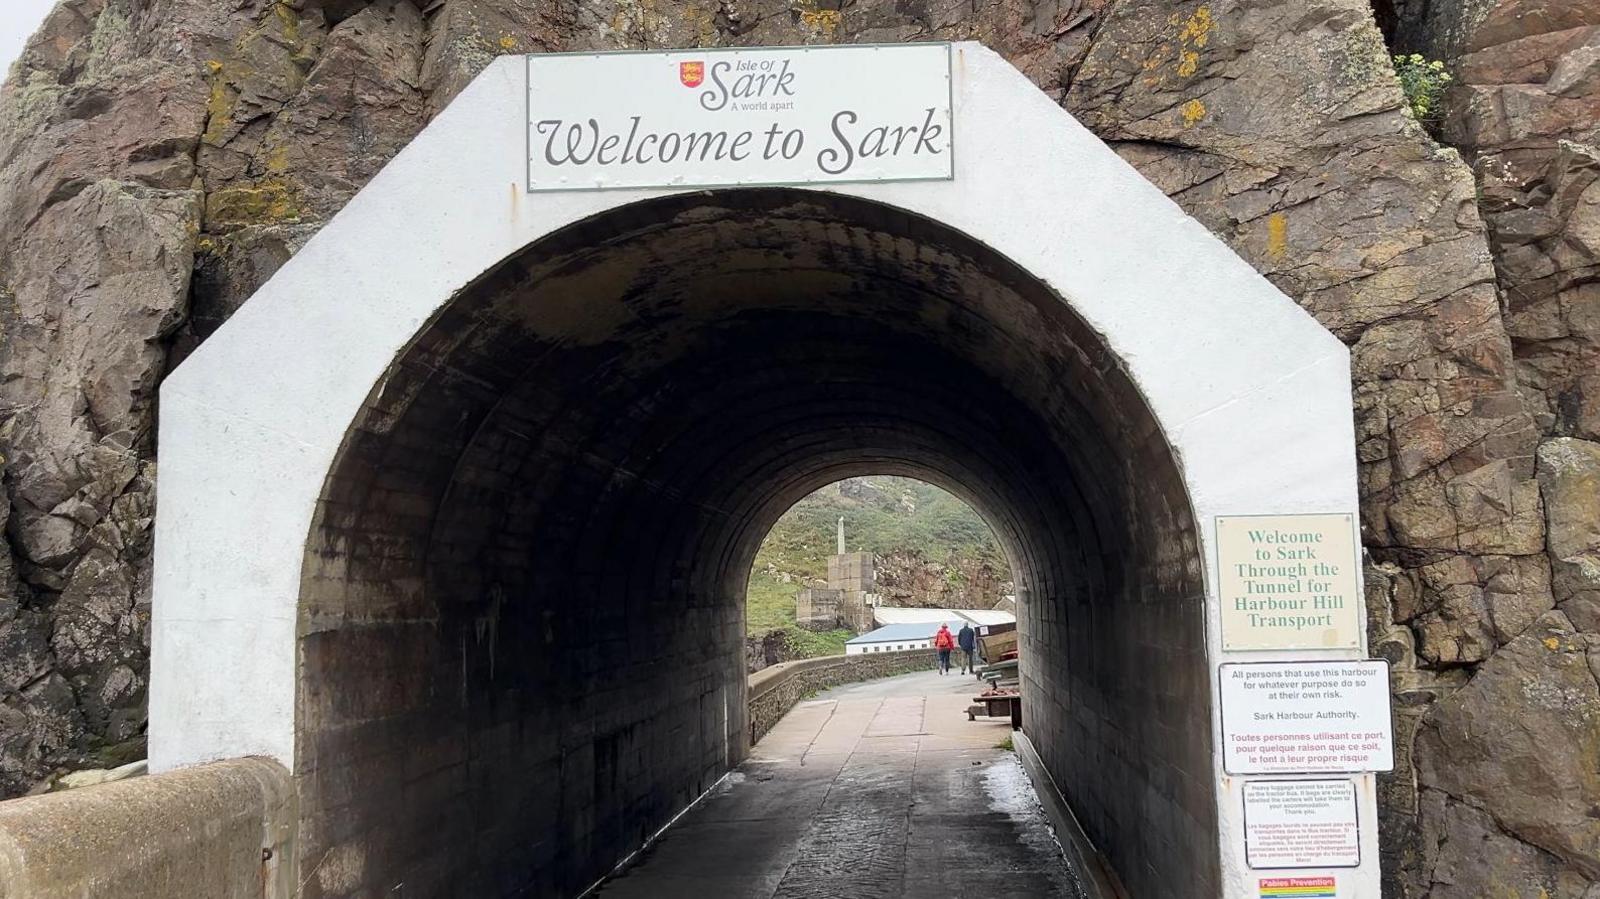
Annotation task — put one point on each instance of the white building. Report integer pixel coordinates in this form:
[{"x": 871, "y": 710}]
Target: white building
[{"x": 894, "y": 638}]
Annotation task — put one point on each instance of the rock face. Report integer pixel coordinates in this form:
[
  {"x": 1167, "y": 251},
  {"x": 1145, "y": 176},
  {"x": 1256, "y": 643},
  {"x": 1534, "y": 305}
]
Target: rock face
[
  {"x": 1524, "y": 771},
  {"x": 765, "y": 650},
  {"x": 909, "y": 578},
  {"x": 1569, "y": 475},
  {"x": 158, "y": 161},
  {"x": 1504, "y": 806}
]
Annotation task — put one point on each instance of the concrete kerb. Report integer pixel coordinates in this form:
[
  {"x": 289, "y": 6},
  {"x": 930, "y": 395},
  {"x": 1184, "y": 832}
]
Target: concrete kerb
[
  {"x": 218, "y": 831},
  {"x": 1094, "y": 871}
]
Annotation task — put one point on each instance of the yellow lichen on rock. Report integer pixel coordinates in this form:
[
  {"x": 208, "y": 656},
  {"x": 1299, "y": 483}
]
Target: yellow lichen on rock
[
  {"x": 823, "y": 22},
  {"x": 218, "y": 105},
  {"x": 645, "y": 21},
  {"x": 268, "y": 201},
  {"x": 1197, "y": 28},
  {"x": 276, "y": 160},
  {"x": 272, "y": 52},
  {"x": 289, "y": 19},
  {"x": 1192, "y": 112},
  {"x": 1277, "y": 235},
  {"x": 1193, "y": 33},
  {"x": 703, "y": 21}
]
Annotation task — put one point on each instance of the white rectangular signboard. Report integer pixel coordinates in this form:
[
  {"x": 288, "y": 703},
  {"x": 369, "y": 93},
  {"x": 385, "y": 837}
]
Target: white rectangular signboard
[
  {"x": 1301, "y": 824},
  {"x": 1305, "y": 717},
  {"x": 709, "y": 118},
  {"x": 1289, "y": 582}
]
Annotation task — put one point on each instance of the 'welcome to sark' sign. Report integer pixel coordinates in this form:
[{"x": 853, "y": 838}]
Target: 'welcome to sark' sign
[{"x": 704, "y": 118}]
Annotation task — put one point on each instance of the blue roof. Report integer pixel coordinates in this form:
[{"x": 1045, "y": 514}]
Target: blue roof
[{"x": 898, "y": 633}]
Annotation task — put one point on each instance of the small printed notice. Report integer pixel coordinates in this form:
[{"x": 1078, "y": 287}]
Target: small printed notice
[
  {"x": 1299, "y": 888},
  {"x": 1289, "y": 582},
  {"x": 1301, "y": 824},
  {"x": 1305, "y": 717}
]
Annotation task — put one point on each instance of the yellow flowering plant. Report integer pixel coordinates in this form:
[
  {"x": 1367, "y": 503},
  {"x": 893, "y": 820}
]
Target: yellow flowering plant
[{"x": 1424, "y": 82}]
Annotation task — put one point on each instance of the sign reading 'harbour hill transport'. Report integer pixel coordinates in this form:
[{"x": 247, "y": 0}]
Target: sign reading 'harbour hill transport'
[
  {"x": 1289, "y": 582},
  {"x": 709, "y": 118}
]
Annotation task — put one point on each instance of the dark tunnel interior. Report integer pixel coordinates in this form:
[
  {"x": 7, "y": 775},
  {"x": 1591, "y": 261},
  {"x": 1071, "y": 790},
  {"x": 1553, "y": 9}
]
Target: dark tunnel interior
[{"x": 521, "y": 620}]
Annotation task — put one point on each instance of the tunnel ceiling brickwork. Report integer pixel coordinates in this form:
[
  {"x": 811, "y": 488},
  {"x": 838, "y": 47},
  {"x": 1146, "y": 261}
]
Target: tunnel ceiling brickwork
[{"x": 538, "y": 535}]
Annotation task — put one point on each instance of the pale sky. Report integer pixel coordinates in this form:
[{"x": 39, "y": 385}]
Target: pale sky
[{"x": 19, "y": 19}]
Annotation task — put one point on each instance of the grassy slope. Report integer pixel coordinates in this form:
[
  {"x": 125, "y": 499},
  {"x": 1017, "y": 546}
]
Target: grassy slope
[{"x": 886, "y": 514}]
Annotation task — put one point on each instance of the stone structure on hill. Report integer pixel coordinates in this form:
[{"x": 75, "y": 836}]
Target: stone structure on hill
[
  {"x": 847, "y": 600},
  {"x": 158, "y": 161}
]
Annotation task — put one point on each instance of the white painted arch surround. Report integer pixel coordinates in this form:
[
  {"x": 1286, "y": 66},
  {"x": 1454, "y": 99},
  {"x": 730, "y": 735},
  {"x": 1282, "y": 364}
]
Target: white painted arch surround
[{"x": 1252, "y": 393}]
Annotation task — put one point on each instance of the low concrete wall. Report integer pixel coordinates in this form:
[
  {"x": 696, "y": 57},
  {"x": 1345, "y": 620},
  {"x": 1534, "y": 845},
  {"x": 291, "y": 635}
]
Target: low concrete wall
[
  {"x": 218, "y": 831},
  {"x": 775, "y": 690}
]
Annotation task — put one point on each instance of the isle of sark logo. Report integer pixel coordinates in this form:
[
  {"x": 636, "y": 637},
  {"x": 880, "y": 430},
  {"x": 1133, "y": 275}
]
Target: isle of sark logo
[{"x": 692, "y": 74}]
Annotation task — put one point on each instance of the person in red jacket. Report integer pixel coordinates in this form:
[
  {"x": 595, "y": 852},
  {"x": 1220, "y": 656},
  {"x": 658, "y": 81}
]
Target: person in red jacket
[{"x": 944, "y": 641}]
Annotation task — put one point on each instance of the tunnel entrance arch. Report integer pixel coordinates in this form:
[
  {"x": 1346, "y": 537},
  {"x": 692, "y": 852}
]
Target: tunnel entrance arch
[{"x": 476, "y": 430}]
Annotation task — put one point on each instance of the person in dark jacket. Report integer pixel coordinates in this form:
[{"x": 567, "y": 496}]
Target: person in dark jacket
[{"x": 967, "y": 639}]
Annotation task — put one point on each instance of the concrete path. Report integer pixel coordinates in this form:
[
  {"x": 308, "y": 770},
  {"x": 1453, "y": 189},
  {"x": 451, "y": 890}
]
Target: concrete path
[{"x": 880, "y": 790}]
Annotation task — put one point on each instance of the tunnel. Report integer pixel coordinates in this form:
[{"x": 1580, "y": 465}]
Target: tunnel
[{"x": 520, "y": 634}]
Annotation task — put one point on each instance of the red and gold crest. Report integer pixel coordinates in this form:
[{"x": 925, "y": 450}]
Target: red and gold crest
[{"x": 691, "y": 73}]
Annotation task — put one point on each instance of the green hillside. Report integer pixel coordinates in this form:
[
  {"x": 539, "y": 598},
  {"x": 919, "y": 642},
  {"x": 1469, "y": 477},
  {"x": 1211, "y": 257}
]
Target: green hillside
[{"x": 930, "y": 534}]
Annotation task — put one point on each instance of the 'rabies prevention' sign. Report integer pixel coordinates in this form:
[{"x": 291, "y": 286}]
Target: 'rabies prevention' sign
[{"x": 707, "y": 118}]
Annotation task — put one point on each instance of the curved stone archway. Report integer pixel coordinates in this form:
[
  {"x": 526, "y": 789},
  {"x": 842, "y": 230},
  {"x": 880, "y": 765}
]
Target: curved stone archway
[{"x": 514, "y": 426}]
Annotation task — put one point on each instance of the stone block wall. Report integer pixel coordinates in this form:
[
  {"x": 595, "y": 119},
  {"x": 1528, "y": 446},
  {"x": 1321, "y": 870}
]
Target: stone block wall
[
  {"x": 851, "y": 572},
  {"x": 1116, "y": 687},
  {"x": 818, "y": 608},
  {"x": 775, "y": 690},
  {"x": 499, "y": 696}
]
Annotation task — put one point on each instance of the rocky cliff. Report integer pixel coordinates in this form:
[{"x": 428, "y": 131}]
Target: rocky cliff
[
  {"x": 160, "y": 158},
  {"x": 1506, "y": 760},
  {"x": 929, "y": 548},
  {"x": 911, "y": 577}
]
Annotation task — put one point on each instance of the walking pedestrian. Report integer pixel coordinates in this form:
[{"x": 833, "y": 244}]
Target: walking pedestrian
[
  {"x": 944, "y": 641},
  {"x": 967, "y": 639}
]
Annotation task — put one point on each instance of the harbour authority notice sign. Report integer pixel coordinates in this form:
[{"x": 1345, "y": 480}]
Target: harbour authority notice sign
[
  {"x": 712, "y": 118},
  {"x": 1305, "y": 717},
  {"x": 1289, "y": 582}
]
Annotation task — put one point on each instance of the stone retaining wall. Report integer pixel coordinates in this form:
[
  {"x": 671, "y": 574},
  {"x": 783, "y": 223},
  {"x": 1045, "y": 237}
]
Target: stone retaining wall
[
  {"x": 775, "y": 690},
  {"x": 219, "y": 831}
]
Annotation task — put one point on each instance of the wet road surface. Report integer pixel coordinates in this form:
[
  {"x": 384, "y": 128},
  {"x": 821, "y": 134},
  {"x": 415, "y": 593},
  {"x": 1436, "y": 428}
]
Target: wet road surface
[{"x": 880, "y": 790}]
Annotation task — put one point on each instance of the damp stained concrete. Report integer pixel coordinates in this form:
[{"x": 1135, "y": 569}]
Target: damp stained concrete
[{"x": 882, "y": 789}]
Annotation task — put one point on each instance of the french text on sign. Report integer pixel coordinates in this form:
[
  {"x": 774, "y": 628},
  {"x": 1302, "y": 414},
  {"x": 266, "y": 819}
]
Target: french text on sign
[
  {"x": 1305, "y": 717},
  {"x": 1288, "y": 582},
  {"x": 1301, "y": 824},
  {"x": 725, "y": 117}
]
